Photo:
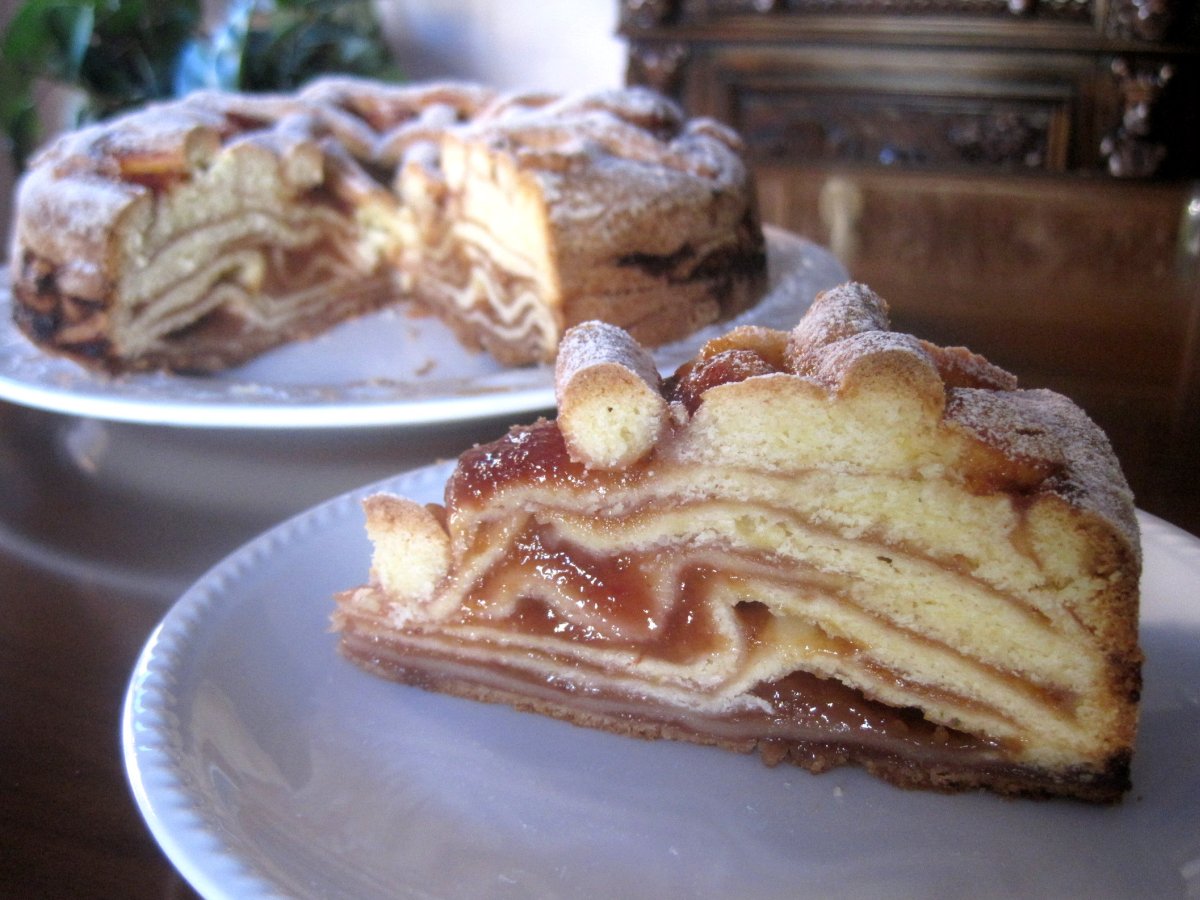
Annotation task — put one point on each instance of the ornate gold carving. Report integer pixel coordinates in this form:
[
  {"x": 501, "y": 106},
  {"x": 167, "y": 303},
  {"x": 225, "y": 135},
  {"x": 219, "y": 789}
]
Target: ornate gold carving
[
  {"x": 1132, "y": 149},
  {"x": 1146, "y": 20},
  {"x": 902, "y": 132},
  {"x": 657, "y": 65},
  {"x": 702, "y": 10},
  {"x": 636, "y": 14}
]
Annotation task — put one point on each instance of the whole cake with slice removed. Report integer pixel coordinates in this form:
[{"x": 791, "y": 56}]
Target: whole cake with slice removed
[
  {"x": 837, "y": 545},
  {"x": 194, "y": 234}
]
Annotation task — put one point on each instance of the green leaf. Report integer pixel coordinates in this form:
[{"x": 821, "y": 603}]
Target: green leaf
[
  {"x": 49, "y": 37},
  {"x": 17, "y": 116},
  {"x": 300, "y": 39}
]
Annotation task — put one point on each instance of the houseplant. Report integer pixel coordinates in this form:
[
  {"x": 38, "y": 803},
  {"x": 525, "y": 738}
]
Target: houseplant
[{"x": 118, "y": 54}]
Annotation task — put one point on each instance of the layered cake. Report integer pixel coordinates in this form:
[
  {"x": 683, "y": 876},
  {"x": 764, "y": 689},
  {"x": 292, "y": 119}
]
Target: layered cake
[
  {"x": 836, "y": 545},
  {"x": 194, "y": 234}
]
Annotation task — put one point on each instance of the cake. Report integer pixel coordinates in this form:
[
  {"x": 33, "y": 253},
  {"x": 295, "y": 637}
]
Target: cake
[
  {"x": 838, "y": 545},
  {"x": 194, "y": 234}
]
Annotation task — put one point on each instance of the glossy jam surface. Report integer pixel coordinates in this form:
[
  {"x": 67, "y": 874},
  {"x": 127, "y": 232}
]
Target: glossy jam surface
[
  {"x": 802, "y": 700},
  {"x": 725, "y": 367},
  {"x": 658, "y": 604},
  {"x": 537, "y": 454},
  {"x": 571, "y": 594},
  {"x": 533, "y": 455}
]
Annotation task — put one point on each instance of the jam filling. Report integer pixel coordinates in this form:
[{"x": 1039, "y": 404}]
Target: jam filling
[
  {"x": 726, "y": 367},
  {"x": 803, "y": 701},
  {"x": 656, "y": 604},
  {"x": 571, "y": 594},
  {"x": 815, "y": 723},
  {"x": 536, "y": 455},
  {"x": 598, "y": 598}
]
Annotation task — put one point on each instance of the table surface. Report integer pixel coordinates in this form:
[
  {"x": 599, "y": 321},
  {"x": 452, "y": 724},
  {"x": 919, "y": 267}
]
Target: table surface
[
  {"x": 101, "y": 530},
  {"x": 102, "y": 527}
]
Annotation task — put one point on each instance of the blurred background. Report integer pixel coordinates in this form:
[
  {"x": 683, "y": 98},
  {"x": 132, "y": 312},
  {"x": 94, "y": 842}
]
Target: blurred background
[{"x": 1019, "y": 176}]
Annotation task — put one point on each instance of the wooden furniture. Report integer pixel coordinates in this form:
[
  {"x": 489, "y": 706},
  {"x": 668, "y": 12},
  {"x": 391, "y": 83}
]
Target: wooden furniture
[{"x": 1020, "y": 177}]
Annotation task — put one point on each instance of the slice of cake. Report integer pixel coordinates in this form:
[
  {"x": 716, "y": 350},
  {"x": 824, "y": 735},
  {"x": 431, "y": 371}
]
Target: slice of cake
[
  {"x": 194, "y": 234},
  {"x": 838, "y": 545}
]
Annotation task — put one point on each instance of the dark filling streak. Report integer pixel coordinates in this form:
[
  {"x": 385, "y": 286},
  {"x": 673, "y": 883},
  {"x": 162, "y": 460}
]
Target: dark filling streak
[
  {"x": 659, "y": 265},
  {"x": 682, "y": 266},
  {"x": 43, "y": 311}
]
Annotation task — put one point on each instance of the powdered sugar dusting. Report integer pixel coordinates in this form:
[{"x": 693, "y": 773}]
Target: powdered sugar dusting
[
  {"x": 842, "y": 311},
  {"x": 632, "y": 135},
  {"x": 596, "y": 343},
  {"x": 78, "y": 207},
  {"x": 1042, "y": 426},
  {"x": 849, "y": 323},
  {"x": 959, "y": 367},
  {"x": 831, "y": 363}
]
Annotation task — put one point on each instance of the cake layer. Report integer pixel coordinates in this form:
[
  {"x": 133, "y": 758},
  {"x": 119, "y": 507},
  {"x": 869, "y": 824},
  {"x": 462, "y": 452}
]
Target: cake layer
[{"x": 814, "y": 723}]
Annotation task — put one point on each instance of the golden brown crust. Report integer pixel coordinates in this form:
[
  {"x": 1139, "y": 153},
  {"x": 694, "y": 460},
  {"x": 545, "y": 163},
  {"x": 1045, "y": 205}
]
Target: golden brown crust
[
  {"x": 610, "y": 404},
  {"x": 627, "y": 164},
  {"x": 413, "y": 536}
]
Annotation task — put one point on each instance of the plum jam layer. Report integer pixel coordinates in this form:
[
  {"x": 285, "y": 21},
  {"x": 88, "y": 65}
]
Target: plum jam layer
[{"x": 815, "y": 723}]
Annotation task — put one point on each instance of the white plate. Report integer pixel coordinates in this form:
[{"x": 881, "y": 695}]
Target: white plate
[
  {"x": 388, "y": 368},
  {"x": 268, "y": 766}
]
